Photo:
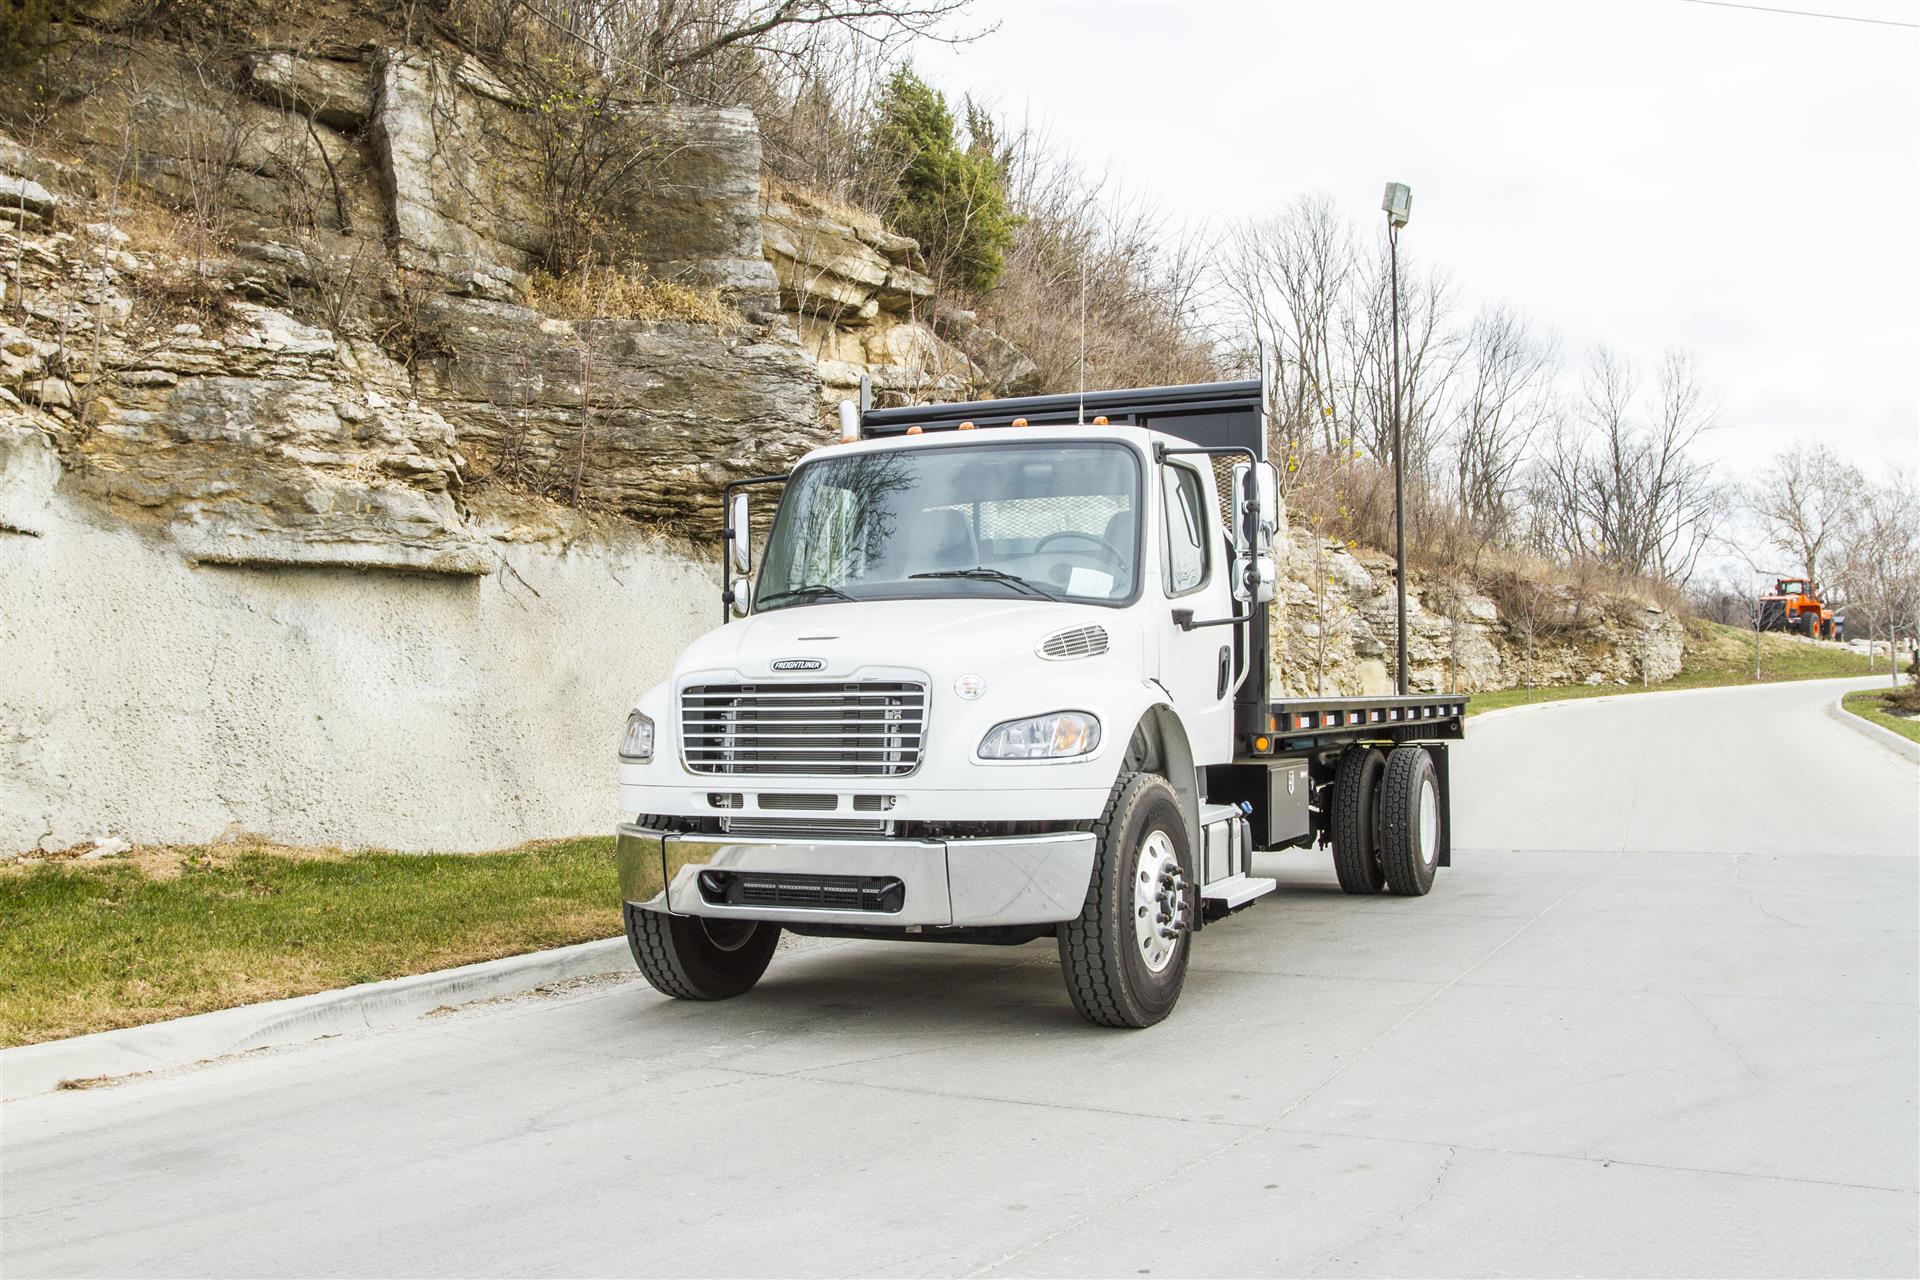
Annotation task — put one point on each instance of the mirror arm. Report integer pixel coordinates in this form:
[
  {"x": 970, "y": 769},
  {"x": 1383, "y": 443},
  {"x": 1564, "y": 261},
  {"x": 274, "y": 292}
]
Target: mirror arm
[{"x": 1183, "y": 619}]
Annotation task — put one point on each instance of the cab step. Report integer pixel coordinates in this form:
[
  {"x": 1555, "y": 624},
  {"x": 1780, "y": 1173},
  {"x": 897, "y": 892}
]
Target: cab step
[{"x": 1236, "y": 891}]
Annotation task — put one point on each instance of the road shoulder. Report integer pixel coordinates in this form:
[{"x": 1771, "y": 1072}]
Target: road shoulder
[
  {"x": 1885, "y": 737},
  {"x": 160, "y": 1046}
]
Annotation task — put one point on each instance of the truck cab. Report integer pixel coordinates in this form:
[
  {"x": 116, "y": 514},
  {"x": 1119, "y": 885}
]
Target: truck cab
[{"x": 990, "y": 678}]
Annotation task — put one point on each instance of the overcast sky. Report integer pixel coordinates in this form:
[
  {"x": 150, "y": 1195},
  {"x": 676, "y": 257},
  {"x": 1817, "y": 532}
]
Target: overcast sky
[{"x": 1741, "y": 183}]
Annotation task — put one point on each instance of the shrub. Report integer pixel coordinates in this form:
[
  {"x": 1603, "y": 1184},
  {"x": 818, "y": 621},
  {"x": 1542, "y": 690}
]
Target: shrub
[
  {"x": 949, "y": 197},
  {"x": 25, "y": 28},
  {"x": 606, "y": 293}
]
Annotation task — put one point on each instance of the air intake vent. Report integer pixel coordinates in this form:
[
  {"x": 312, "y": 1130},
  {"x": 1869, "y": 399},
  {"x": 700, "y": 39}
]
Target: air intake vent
[
  {"x": 1079, "y": 642},
  {"x": 802, "y": 829},
  {"x": 836, "y": 893},
  {"x": 817, "y": 803}
]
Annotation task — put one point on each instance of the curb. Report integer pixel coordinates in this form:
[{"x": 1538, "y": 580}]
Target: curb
[
  {"x": 158, "y": 1046},
  {"x": 1601, "y": 699},
  {"x": 1879, "y": 733}
]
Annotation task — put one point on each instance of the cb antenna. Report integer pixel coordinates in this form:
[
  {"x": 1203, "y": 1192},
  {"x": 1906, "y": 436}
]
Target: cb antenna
[{"x": 1083, "y": 339}]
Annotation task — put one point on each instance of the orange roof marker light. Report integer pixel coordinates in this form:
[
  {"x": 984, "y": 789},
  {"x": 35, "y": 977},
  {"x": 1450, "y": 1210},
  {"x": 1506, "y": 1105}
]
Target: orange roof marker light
[
  {"x": 965, "y": 426},
  {"x": 913, "y": 431},
  {"x": 1019, "y": 422},
  {"x": 1100, "y": 421}
]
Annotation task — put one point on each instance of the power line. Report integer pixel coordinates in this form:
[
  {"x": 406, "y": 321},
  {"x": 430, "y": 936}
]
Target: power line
[{"x": 1807, "y": 13}]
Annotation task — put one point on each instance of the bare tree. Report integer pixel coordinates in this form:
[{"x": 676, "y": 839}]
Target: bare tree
[
  {"x": 1878, "y": 565},
  {"x": 1805, "y": 501},
  {"x": 1632, "y": 489},
  {"x": 1143, "y": 281},
  {"x": 1506, "y": 399},
  {"x": 1285, "y": 282},
  {"x": 1430, "y": 347}
]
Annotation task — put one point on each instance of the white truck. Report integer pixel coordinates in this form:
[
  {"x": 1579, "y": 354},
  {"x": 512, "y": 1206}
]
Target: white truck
[{"x": 1002, "y": 675}]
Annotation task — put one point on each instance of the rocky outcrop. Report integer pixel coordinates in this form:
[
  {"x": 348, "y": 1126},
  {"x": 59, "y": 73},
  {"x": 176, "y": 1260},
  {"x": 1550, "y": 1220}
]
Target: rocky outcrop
[
  {"x": 337, "y": 366},
  {"x": 1334, "y": 629},
  {"x": 861, "y": 308},
  {"x": 459, "y": 173}
]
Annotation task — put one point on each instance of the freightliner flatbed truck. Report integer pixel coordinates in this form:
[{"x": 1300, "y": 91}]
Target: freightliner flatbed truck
[{"x": 1001, "y": 674}]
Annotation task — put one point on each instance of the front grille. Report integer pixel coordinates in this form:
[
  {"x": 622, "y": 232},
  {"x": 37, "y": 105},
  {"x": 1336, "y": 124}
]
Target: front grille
[
  {"x": 865, "y": 727},
  {"x": 1078, "y": 642},
  {"x": 841, "y": 893}
]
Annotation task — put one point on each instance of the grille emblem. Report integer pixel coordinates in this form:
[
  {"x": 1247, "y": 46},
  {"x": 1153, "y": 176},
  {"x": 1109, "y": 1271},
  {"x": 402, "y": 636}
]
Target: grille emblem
[{"x": 798, "y": 664}]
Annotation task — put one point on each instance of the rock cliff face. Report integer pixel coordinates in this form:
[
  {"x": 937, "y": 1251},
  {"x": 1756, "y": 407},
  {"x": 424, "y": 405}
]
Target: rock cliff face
[{"x": 1334, "y": 627}]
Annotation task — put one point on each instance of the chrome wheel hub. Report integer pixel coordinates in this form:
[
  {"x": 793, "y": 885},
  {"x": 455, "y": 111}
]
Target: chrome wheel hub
[
  {"x": 1159, "y": 901},
  {"x": 1429, "y": 822}
]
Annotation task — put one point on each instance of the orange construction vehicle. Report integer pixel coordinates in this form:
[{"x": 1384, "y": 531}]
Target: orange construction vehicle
[{"x": 1795, "y": 606}]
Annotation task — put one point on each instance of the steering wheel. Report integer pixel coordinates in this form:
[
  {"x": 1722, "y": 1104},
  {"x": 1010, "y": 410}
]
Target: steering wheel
[{"x": 1100, "y": 545}]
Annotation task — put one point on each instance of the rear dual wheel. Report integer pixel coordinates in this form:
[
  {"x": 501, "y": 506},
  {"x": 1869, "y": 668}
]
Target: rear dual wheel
[
  {"x": 1412, "y": 821},
  {"x": 1389, "y": 822}
]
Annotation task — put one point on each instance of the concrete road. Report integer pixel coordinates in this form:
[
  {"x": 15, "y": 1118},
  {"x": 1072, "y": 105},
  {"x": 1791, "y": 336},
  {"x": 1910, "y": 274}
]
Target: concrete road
[{"x": 1659, "y": 1018}]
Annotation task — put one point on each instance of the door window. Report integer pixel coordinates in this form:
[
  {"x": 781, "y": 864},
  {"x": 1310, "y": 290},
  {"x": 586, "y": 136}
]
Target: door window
[{"x": 1186, "y": 530}]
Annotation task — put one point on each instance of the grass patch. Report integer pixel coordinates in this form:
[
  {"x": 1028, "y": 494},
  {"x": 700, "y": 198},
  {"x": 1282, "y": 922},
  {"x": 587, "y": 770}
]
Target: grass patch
[
  {"x": 603, "y": 293},
  {"x": 1884, "y": 708},
  {"x": 162, "y": 932},
  {"x": 1716, "y": 656}
]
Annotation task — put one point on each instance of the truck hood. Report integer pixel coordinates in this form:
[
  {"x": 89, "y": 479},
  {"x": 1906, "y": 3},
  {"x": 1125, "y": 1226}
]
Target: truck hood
[{"x": 936, "y": 636}]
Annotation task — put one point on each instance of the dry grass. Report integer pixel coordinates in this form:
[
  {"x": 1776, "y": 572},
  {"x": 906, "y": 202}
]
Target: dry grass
[
  {"x": 160, "y": 932},
  {"x": 1351, "y": 499},
  {"x": 604, "y": 293}
]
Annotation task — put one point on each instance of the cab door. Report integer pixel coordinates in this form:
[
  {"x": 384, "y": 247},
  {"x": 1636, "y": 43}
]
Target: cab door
[{"x": 1196, "y": 665}]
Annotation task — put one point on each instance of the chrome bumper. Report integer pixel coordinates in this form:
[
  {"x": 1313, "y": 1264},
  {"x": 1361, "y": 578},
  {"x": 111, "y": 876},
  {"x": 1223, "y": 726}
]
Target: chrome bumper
[{"x": 1022, "y": 880}]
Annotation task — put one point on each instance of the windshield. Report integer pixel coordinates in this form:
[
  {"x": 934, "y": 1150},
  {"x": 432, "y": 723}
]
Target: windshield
[{"x": 1002, "y": 520}]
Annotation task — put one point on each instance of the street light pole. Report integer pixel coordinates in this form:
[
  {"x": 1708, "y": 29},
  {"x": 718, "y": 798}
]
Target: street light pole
[{"x": 1398, "y": 205}]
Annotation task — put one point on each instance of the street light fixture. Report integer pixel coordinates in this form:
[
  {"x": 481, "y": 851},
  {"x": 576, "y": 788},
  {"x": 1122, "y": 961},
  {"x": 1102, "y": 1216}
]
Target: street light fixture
[{"x": 1397, "y": 204}]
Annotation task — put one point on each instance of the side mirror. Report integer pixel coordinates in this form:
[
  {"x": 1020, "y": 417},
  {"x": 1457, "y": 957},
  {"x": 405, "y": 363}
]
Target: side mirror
[
  {"x": 1256, "y": 521},
  {"x": 739, "y": 534},
  {"x": 742, "y": 603}
]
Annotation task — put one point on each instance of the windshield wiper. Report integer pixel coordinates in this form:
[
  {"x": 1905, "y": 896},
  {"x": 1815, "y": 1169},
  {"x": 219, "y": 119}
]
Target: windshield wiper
[
  {"x": 807, "y": 591},
  {"x": 980, "y": 573}
]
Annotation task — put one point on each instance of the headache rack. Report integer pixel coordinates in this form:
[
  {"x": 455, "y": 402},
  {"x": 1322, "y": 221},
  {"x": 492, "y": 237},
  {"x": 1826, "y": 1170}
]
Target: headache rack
[{"x": 1210, "y": 414}]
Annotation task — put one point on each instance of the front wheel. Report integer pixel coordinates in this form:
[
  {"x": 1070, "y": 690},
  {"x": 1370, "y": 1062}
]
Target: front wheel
[
  {"x": 1125, "y": 956},
  {"x": 690, "y": 958}
]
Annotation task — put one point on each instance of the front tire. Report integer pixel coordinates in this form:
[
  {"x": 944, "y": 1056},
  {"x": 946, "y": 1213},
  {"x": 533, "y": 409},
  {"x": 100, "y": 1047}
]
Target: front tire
[
  {"x": 690, "y": 958},
  {"x": 1125, "y": 956},
  {"x": 1412, "y": 821}
]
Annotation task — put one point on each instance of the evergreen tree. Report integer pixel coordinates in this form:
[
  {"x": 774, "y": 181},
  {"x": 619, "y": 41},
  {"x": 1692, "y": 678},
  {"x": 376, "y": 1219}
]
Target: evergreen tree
[{"x": 949, "y": 197}]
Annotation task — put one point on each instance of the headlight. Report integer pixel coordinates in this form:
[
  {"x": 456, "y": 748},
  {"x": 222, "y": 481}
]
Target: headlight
[
  {"x": 1048, "y": 737},
  {"x": 637, "y": 742}
]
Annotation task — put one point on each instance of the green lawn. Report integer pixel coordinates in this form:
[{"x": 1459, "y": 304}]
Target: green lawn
[
  {"x": 1715, "y": 656},
  {"x": 1872, "y": 704},
  {"x": 161, "y": 932}
]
